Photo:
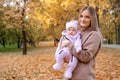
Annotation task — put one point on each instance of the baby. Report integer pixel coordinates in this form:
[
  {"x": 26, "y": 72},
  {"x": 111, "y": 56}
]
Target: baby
[{"x": 70, "y": 36}]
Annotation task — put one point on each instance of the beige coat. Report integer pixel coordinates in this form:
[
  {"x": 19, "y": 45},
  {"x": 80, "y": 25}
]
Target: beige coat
[{"x": 85, "y": 69}]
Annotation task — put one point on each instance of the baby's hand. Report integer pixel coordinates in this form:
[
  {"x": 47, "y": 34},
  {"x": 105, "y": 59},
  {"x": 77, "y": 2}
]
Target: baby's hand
[{"x": 64, "y": 43}]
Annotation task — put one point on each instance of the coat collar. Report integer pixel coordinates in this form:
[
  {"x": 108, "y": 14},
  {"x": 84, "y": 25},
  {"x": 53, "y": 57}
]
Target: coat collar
[{"x": 85, "y": 34}]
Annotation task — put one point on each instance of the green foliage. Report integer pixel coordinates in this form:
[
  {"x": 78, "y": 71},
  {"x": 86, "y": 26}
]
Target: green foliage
[{"x": 9, "y": 48}]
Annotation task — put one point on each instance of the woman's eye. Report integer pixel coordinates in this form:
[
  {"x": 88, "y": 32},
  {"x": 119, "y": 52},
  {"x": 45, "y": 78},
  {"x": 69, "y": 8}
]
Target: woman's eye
[
  {"x": 81, "y": 16},
  {"x": 88, "y": 17}
]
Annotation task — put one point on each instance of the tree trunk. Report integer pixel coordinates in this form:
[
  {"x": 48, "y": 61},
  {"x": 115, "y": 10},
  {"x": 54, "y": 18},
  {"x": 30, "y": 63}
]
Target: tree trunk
[
  {"x": 24, "y": 42},
  {"x": 56, "y": 41},
  {"x": 97, "y": 12},
  {"x": 24, "y": 33},
  {"x": 19, "y": 43},
  {"x": 118, "y": 35},
  {"x": 3, "y": 42},
  {"x": 3, "y": 39}
]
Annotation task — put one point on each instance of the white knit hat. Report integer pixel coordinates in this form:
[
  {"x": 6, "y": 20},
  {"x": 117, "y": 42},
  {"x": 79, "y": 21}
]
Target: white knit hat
[{"x": 72, "y": 23}]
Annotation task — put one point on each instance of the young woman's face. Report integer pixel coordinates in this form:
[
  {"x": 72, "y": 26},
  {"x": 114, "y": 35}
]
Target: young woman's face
[
  {"x": 71, "y": 31},
  {"x": 85, "y": 19}
]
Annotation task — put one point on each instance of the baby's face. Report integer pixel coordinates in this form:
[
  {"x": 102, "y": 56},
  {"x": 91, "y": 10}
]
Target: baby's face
[{"x": 71, "y": 31}]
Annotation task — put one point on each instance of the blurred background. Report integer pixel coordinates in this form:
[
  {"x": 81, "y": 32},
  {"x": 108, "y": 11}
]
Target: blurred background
[{"x": 25, "y": 23}]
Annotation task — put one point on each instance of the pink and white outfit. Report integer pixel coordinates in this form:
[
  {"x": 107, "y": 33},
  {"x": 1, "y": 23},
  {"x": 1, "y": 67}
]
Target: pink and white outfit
[{"x": 65, "y": 51}]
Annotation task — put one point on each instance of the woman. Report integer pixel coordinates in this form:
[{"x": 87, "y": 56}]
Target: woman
[{"x": 91, "y": 42}]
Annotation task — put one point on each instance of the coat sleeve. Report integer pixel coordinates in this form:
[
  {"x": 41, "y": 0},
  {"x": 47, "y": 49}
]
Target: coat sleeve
[{"x": 90, "y": 48}]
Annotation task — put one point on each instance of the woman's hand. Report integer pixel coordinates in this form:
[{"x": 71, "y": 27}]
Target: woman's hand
[{"x": 66, "y": 59}]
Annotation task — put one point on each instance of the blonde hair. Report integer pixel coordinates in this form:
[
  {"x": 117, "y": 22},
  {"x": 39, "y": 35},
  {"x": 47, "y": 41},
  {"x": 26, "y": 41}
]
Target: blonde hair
[{"x": 94, "y": 20}]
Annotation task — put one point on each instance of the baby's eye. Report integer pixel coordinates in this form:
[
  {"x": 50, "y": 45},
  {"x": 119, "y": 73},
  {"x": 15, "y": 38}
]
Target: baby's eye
[{"x": 73, "y": 30}]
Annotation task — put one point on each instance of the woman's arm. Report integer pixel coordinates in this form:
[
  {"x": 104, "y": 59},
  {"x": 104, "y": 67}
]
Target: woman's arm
[{"x": 89, "y": 48}]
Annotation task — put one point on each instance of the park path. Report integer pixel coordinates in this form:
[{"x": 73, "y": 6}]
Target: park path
[{"x": 111, "y": 46}]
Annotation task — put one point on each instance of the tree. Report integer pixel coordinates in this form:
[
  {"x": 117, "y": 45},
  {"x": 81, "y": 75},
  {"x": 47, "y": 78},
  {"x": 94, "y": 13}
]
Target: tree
[
  {"x": 115, "y": 11},
  {"x": 61, "y": 12},
  {"x": 18, "y": 7},
  {"x": 2, "y": 25},
  {"x": 23, "y": 28}
]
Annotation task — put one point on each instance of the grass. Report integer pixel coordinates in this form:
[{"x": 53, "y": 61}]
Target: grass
[
  {"x": 9, "y": 48},
  {"x": 13, "y": 48}
]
